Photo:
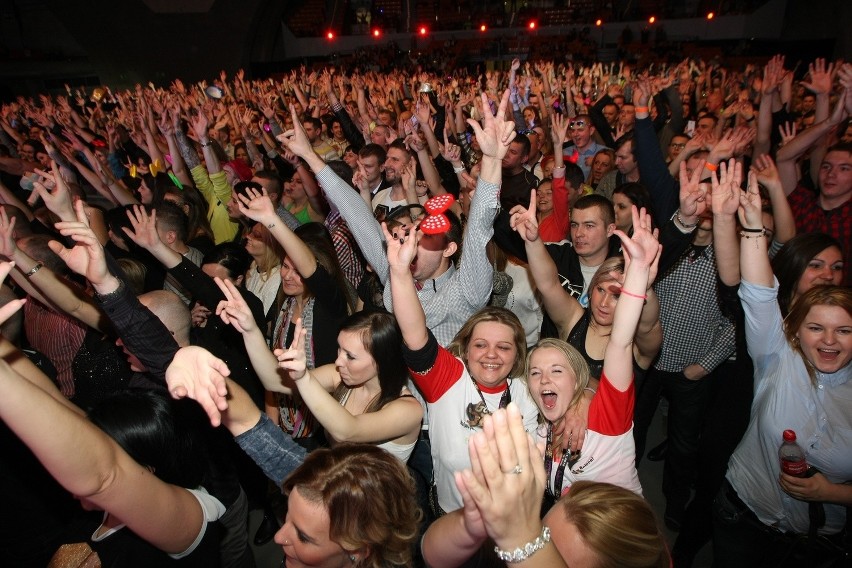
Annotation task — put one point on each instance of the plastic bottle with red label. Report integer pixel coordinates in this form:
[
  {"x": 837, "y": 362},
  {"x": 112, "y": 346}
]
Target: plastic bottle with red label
[{"x": 792, "y": 456}]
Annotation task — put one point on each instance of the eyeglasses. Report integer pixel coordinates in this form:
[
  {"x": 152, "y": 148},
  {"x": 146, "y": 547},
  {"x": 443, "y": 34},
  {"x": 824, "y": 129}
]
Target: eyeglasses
[
  {"x": 678, "y": 145},
  {"x": 577, "y": 124}
]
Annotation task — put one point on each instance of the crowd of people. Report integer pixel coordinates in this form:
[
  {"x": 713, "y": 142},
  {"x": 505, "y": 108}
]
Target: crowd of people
[{"x": 438, "y": 312}]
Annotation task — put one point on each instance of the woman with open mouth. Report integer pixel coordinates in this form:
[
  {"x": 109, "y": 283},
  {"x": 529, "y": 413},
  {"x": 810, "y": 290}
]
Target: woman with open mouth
[{"x": 558, "y": 375}]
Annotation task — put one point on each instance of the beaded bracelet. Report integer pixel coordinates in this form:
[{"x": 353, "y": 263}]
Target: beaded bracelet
[
  {"x": 750, "y": 234},
  {"x": 530, "y": 548},
  {"x": 682, "y": 224}
]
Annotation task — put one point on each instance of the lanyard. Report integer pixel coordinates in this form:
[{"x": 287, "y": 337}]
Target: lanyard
[{"x": 556, "y": 490}]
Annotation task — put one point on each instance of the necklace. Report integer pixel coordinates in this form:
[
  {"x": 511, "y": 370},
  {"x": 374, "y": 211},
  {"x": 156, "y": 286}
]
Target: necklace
[
  {"x": 555, "y": 490},
  {"x": 477, "y": 411}
]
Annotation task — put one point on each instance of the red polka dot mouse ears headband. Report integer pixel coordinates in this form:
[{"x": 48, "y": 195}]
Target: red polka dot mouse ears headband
[{"x": 436, "y": 222}]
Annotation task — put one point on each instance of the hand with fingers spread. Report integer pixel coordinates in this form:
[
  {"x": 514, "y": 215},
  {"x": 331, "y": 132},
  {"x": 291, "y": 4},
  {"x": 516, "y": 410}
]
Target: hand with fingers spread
[
  {"x": 767, "y": 172},
  {"x": 787, "y": 131},
  {"x": 257, "y": 206},
  {"x": 197, "y": 374},
  {"x": 143, "y": 228},
  {"x": 233, "y": 309},
  {"x": 56, "y": 198},
  {"x": 294, "y": 359},
  {"x": 506, "y": 480},
  {"x": 87, "y": 256},
  {"x": 821, "y": 77},
  {"x": 726, "y": 189}
]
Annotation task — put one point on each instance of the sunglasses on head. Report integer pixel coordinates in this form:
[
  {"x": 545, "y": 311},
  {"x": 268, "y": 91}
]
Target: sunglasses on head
[{"x": 576, "y": 124}]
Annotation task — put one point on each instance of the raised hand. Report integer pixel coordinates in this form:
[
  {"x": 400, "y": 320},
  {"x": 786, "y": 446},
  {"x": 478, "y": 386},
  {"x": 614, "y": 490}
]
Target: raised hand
[
  {"x": 197, "y": 374},
  {"x": 143, "y": 229},
  {"x": 496, "y": 133},
  {"x": 642, "y": 247},
  {"x": 692, "y": 195},
  {"x": 558, "y": 130},
  {"x": 257, "y": 206},
  {"x": 767, "y": 172},
  {"x": 751, "y": 206},
  {"x": 726, "y": 189},
  {"x": 506, "y": 479},
  {"x": 296, "y": 140},
  {"x": 57, "y": 198},
  {"x": 199, "y": 124},
  {"x": 233, "y": 309},
  {"x": 402, "y": 246},
  {"x": 294, "y": 359},
  {"x": 524, "y": 220},
  {"x": 821, "y": 77},
  {"x": 87, "y": 257}
]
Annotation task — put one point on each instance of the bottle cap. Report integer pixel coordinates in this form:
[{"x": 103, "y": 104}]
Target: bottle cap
[{"x": 789, "y": 436}]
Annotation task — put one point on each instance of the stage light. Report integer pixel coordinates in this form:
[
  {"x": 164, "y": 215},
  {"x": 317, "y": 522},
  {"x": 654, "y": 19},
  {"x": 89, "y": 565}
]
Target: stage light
[
  {"x": 423, "y": 30},
  {"x": 652, "y": 19},
  {"x": 330, "y": 35},
  {"x": 598, "y": 22},
  {"x": 532, "y": 25},
  {"x": 710, "y": 15},
  {"x": 377, "y": 32},
  {"x": 482, "y": 28}
]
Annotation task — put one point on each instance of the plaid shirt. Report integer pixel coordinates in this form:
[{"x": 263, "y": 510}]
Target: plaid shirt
[
  {"x": 694, "y": 328},
  {"x": 837, "y": 222}
]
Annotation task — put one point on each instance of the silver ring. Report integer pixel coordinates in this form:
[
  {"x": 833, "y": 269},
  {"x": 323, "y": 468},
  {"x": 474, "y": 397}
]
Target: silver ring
[{"x": 517, "y": 470}]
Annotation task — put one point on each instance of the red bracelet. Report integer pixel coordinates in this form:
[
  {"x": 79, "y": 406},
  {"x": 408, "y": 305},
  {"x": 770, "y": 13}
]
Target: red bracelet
[
  {"x": 641, "y": 109},
  {"x": 632, "y": 295},
  {"x": 711, "y": 167}
]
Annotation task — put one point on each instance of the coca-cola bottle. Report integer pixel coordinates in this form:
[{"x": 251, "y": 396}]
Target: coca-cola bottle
[{"x": 792, "y": 456}]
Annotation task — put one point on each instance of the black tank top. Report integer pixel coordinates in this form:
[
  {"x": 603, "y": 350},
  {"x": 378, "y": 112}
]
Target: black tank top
[{"x": 577, "y": 339}]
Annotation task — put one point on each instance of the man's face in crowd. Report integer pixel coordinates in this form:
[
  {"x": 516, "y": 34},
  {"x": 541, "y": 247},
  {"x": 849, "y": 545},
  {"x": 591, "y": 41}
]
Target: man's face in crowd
[
  {"x": 808, "y": 102},
  {"x": 627, "y": 116},
  {"x": 847, "y": 134},
  {"x": 514, "y": 159},
  {"x": 379, "y": 135},
  {"x": 372, "y": 169},
  {"x": 624, "y": 161},
  {"x": 337, "y": 131},
  {"x": 714, "y": 101},
  {"x": 705, "y": 125},
  {"x": 610, "y": 113},
  {"x": 581, "y": 132},
  {"x": 589, "y": 233},
  {"x": 835, "y": 176},
  {"x": 311, "y": 131},
  {"x": 676, "y": 146},
  {"x": 395, "y": 162},
  {"x": 27, "y": 153}
]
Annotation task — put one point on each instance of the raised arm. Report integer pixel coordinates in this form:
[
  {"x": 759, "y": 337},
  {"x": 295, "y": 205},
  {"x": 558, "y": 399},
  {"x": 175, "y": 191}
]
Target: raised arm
[
  {"x": 406, "y": 305},
  {"x": 234, "y": 311},
  {"x": 258, "y": 207},
  {"x": 392, "y": 421},
  {"x": 754, "y": 259},
  {"x": 562, "y": 308},
  {"x": 641, "y": 255},
  {"x": 726, "y": 202}
]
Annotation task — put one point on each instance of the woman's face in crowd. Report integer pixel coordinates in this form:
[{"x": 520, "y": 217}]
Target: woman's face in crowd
[
  {"x": 826, "y": 338},
  {"x": 305, "y": 536},
  {"x": 544, "y": 196},
  {"x": 291, "y": 280},
  {"x": 552, "y": 382},
  {"x": 295, "y": 189},
  {"x": 602, "y": 301},
  {"x": 354, "y": 363},
  {"x": 623, "y": 212},
  {"x": 242, "y": 154},
  {"x": 254, "y": 242},
  {"x": 823, "y": 269},
  {"x": 601, "y": 165},
  {"x": 146, "y": 196},
  {"x": 491, "y": 353}
]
